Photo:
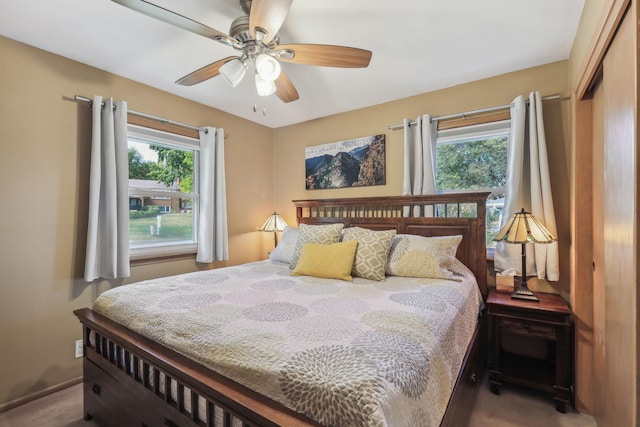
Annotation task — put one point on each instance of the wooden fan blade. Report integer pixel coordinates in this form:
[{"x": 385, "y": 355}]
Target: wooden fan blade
[
  {"x": 267, "y": 16},
  {"x": 285, "y": 90},
  {"x": 205, "y": 73},
  {"x": 325, "y": 55},
  {"x": 165, "y": 15}
]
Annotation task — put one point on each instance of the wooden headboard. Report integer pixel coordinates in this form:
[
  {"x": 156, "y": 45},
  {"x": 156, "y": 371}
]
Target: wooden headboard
[{"x": 442, "y": 214}]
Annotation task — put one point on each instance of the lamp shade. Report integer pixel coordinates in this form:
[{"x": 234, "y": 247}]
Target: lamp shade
[
  {"x": 264, "y": 87},
  {"x": 268, "y": 67},
  {"x": 524, "y": 228},
  {"x": 274, "y": 223},
  {"x": 233, "y": 71}
]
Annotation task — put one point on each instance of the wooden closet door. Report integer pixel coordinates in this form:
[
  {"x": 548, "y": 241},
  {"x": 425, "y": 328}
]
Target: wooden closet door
[
  {"x": 614, "y": 232},
  {"x": 598, "y": 379}
]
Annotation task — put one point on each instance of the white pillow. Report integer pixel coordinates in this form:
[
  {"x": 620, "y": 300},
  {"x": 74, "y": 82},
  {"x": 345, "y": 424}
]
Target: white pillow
[{"x": 287, "y": 244}]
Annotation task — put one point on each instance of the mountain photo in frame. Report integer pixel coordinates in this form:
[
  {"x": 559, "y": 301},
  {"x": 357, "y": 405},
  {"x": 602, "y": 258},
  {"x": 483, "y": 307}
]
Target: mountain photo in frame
[{"x": 352, "y": 163}]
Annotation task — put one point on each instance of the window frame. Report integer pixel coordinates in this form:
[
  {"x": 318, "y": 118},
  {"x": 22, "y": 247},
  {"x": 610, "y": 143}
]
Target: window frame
[{"x": 154, "y": 136}]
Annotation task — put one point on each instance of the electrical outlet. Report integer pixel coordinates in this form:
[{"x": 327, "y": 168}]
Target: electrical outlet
[{"x": 79, "y": 349}]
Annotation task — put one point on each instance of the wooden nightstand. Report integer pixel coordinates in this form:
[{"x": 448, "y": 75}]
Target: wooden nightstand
[{"x": 546, "y": 323}]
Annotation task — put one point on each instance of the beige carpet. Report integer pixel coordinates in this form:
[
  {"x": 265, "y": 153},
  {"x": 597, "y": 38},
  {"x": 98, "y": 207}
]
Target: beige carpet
[
  {"x": 512, "y": 408},
  {"x": 522, "y": 408}
]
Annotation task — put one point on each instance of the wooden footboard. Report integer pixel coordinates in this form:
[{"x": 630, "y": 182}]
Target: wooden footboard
[{"x": 131, "y": 380}]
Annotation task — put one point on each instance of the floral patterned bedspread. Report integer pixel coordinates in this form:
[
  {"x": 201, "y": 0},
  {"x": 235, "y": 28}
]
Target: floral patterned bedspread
[{"x": 345, "y": 354}]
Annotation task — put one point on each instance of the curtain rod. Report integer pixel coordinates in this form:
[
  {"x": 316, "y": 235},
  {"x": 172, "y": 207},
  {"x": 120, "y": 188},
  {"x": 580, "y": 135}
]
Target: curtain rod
[
  {"x": 146, "y": 116},
  {"x": 471, "y": 113}
]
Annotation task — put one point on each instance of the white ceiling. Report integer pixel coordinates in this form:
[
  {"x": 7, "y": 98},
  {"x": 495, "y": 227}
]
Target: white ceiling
[{"x": 418, "y": 46}]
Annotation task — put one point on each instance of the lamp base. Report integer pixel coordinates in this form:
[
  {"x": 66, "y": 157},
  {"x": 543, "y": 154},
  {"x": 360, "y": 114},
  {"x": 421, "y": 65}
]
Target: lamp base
[{"x": 525, "y": 294}]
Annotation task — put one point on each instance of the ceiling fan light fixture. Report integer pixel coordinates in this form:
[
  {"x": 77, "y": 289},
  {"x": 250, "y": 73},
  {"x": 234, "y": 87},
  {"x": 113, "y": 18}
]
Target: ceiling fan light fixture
[
  {"x": 233, "y": 71},
  {"x": 267, "y": 66},
  {"x": 264, "y": 87}
]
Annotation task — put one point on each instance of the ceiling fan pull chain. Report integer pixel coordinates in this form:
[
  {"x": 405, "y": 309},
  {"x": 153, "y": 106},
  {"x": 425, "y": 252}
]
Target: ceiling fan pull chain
[{"x": 264, "y": 109}]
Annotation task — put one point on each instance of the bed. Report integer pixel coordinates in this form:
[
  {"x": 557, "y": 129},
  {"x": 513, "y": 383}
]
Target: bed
[{"x": 223, "y": 371}]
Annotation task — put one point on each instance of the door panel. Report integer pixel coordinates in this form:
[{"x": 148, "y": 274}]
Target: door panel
[
  {"x": 598, "y": 252},
  {"x": 614, "y": 222}
]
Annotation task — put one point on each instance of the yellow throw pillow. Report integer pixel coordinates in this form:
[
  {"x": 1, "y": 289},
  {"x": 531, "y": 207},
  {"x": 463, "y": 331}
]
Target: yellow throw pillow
[
  {"x": 322, "y": 233},
  {"x": 332, "y": 261}
]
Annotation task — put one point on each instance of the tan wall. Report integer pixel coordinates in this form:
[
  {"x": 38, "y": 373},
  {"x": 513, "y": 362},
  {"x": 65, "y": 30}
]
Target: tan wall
[
  {"x": 44, "y": 170},
  {"x": 291, "y": 141}
]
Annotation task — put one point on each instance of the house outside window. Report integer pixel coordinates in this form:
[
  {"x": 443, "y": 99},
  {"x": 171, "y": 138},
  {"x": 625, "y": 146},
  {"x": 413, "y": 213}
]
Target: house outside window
[
  {"x": 474, "y": 158},
  {"x": 163, "y": 193}
]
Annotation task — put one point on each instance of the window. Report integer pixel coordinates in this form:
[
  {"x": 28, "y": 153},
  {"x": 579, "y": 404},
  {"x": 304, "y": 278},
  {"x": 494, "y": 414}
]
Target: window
[
  {"x": 163, "y": 192},
  {"x": 475, "y": 158}
]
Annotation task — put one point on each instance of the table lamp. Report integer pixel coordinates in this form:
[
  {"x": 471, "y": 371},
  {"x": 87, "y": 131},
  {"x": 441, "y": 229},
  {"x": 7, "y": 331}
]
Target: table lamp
[
  {"x": 274, "y": 223},
  {"x": 524, "y": 228}
]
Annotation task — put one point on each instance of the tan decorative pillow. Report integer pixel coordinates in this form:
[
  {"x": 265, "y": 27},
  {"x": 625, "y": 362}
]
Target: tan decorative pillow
[
  {"x": 418, "y": 256},
  {"x": 324, "y": 234},
  {"x": 331, "y": 261},
  {"x": 372, "y": 252}
]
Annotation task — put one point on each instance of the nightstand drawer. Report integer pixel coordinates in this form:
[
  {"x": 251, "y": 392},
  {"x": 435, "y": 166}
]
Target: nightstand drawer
[{"x": 527, "y": 327}]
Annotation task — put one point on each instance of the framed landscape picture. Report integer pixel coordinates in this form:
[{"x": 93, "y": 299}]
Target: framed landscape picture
[{"x": 352, "y": 163}]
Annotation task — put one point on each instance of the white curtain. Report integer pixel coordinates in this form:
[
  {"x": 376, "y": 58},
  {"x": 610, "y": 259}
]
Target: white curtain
[
  {"x": 419, "y": 160},
  {"x": 107, "y": 253},
  {"x": 529, "y": 187},
  {"x": 213, "y": 241}
]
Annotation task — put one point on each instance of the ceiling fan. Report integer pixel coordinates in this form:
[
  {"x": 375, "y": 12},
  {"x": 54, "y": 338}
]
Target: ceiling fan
[{"x": 255, "y": 35}]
